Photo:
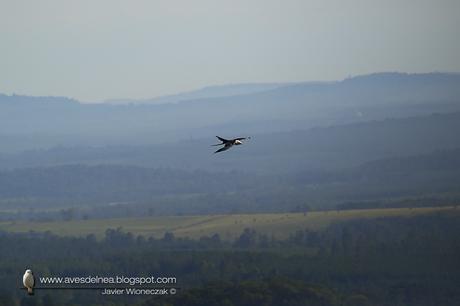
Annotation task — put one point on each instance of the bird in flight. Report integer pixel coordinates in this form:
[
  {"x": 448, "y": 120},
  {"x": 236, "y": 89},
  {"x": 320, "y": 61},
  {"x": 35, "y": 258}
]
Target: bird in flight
[{"x": 228, "y": 143}]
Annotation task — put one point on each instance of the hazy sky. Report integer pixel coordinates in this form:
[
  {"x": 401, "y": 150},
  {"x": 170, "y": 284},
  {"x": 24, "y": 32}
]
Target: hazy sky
[{"x": 94, "y": 50}]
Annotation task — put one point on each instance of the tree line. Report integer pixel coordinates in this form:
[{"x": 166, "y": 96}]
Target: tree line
[{"x": 383, "y": 261}]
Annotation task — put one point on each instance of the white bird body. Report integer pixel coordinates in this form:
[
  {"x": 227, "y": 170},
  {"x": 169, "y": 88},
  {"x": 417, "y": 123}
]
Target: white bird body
[{"x": 29, "y": 281}]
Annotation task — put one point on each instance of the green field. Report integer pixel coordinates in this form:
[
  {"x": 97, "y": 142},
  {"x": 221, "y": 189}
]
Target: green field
[{"x": 228, "y": 226}]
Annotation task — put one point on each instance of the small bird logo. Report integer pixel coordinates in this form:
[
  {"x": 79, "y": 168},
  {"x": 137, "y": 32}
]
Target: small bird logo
[{"x": 29, "y": 281}]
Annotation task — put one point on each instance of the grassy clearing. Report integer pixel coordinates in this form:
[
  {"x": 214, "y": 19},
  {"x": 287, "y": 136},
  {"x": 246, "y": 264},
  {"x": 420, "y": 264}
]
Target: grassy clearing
[{"x": 228, "y": 226}]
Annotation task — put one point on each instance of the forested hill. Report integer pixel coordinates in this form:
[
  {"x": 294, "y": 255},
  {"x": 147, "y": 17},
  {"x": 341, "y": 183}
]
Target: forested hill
[
  {"x": 332, "y": 147},
  {"x": 111, "y": 190}
]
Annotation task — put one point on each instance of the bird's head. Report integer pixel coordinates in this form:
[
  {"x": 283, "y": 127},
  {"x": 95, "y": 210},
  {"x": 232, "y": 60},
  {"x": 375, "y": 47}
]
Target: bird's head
[
  {"x": 29, "y": 271},
  {"x": 238, "y": 142}
]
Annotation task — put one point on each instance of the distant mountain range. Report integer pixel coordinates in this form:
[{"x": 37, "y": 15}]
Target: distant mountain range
[
  {"x": 204, "y": 93},
  {"x": 44, "y": 122}
]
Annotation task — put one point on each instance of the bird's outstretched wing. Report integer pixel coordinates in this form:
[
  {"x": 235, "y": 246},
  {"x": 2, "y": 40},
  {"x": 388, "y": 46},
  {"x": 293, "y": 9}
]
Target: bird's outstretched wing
[
  {"x": 222, "y": 149},
  {"x": 222, "y": 139},
  {"x": 241, "y": 138}
]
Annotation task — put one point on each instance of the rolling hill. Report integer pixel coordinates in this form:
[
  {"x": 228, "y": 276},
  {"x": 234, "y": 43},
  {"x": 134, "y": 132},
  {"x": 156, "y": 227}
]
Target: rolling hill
[{"x": 31, "y": 122}]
